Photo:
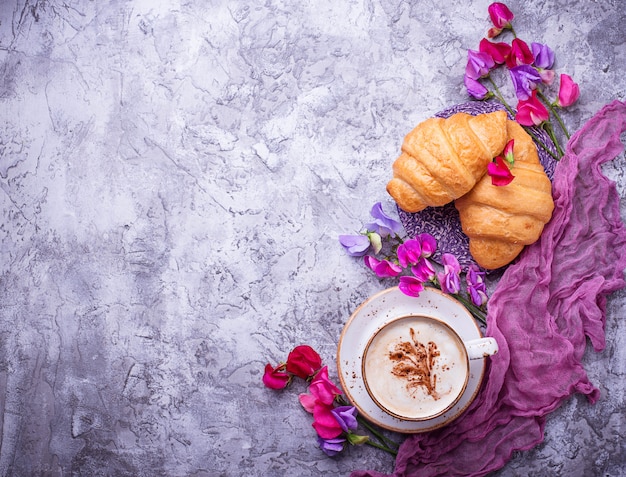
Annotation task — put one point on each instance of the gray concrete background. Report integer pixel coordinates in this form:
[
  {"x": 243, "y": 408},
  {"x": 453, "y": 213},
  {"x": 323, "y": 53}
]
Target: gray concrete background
[{"x": 174, "y": 176}]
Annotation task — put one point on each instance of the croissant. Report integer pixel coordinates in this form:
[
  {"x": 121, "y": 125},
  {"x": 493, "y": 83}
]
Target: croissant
[
  {"x": 501, "y": 220},
  {"x": 443, "y": 158}
]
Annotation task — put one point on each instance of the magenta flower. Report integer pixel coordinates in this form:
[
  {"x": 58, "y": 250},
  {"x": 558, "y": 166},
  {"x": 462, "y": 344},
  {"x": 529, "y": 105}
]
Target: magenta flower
[
  {"x": 476, "y": 288},
  {"x": 324, "y": 421},
  {"x": 508, "y": 152},
  {"x": 331, "y": 447},
  {"x": 501, "y": 18},
  {"x": 475, "y": 88},
  {"x": 499, "y": 172},
  {"x": 520, "y": 54},
  {"x": 383, "y": 225},
  {"x": 478, "y": 64},
  {"x": 531, "y": 112},
  {"x": 499, "y": 51},
  {"x": 382, "y": 268},
  {"x": 322, "y": 388},
  {"x": 424, "y": 270},
  {"x": 543, "y": 54},
  {"x": 428, "y": 244},
  {"x": 450, "y": 280},
  {"x": 276, "y": 377},
  {"x": 346, "y": 417},
  {"x": 525, "y": 79},
  {"x": 303, "y": 361},
  {"x": 355, "y": 245},
  {"x": 409, "y": 252},
  {"x": 569, "y": 92},
  {"x": 410, "y": 286}
]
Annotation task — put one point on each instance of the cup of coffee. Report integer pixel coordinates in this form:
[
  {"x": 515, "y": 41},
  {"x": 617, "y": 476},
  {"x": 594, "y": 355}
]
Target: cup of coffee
[{"x": 416, "y": 368}]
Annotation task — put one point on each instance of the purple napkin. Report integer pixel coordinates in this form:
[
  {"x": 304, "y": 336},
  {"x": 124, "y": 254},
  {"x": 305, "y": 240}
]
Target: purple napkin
[{"x": 541, "y": 312}]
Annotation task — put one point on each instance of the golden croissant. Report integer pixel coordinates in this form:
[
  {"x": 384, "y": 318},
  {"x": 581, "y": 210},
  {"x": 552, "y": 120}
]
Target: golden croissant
[
  {"x": 442, "y": 159},
  {"x": 501, "y": 220}
]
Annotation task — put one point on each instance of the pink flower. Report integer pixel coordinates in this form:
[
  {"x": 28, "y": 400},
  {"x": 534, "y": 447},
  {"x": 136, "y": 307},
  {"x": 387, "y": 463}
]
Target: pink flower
[
  {"x": 275, "y": 377},
  {"x": 499, "y": 52},
  {"x": 324, "y": 421},
  {"x": 410, "y": 286},
  {"x": 322, "y": 388},
  {"x": 508, "y": 151},
  {"x": 428, "y": 243},
  {"x": 450, "y": 280},
  {"x": 409, "y": 252},
  {"x": 520, "y": 54},
  {"x": 303, "y": 361},
  {"x": 568, "y": 91},
  {"x": 501, "y": 18},
  {"x": 531, "y": 112},
  {"x": 424, "y": 270},
  {"x": 499, "y": 172},
  {"x": 382, "y": 268}
]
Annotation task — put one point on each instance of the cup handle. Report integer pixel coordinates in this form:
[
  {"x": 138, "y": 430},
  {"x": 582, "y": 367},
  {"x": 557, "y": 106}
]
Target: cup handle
[{"x": 481, "y": 348}]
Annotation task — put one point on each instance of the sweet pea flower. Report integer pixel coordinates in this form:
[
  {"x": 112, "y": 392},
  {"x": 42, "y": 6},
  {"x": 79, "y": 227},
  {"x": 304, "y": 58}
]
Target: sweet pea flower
[
  {"x": 543, "y": 54},
  {"x": 409, "y": 252},
  {"x": 275, "y": 377},
  {"x": 331, "y": 447},
  {"x": 383, "y": 225},
  {"x": 324, "y": 421},
  {"x": 428, "y": 244},
  {"x": 476, "y": 287},
  {"x": 501, "y": 18},
  {"x": 322, "y": 388},
  {"x": 478, "y": 64},
  {"x": 346, "y": 417},
  {"x": 520, "y": 54},
  {"x": 382, "y": 268},
  {"x": 476, "y": 89},
  {"x": 449, "y": 280},
  {"x": 499, "y": 51},
  {"x": 569, "y": 91},
  {"x": 303, "y": 361},
  {"x": 410, "y": 286},
  {"x": 525, "y": 79},
  {"x": 499, "y": 172},
  {"x": 508, "y": 152},
  {"x": 355, "y": 245},
  {"x": 531, "y": 112},
  {"x": 424, "y": 271}
]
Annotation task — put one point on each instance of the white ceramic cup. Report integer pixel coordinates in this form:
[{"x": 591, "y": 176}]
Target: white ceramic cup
[{"x": 417, "y": 367}]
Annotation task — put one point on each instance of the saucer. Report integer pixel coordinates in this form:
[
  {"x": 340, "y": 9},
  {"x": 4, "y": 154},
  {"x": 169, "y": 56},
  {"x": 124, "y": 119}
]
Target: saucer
[{"x": 372, "y": 315}]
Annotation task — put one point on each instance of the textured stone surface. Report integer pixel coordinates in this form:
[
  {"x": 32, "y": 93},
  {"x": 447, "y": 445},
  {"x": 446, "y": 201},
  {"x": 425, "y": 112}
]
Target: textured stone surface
[{"x": 174, "y": 175}]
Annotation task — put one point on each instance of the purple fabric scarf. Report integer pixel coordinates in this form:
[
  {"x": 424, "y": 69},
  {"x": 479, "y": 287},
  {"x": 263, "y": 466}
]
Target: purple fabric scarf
[{"x": 541, "y": 312}]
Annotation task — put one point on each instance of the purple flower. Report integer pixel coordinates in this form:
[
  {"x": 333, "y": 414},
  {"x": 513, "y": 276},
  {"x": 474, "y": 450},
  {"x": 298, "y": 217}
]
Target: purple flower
[
  {"x": 383, "y": 225},
  {"x": 346, "y": 417},
  {"x": 382, "y": 268},
  {"x": 479, "y": 64},
  {"x": 428, "y": 244},
  {"x": 410, "y": 286},
  {"x": 525, "y": 79},
  {"x": 355, "y": 245},
  {"x": 409, "y": 252},
  {"x": 544, "y": 55},
  {"x": 331, "y": 447},
  {"x": 424, "y": 270},
  {"x": 475, "y": 88},
  {"x": 450, "y": 278},
  {"x": 476, "y": 287}
]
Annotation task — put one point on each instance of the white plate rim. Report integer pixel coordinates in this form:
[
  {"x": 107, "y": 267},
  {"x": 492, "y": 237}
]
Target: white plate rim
[{"x": 378, "y": 310}]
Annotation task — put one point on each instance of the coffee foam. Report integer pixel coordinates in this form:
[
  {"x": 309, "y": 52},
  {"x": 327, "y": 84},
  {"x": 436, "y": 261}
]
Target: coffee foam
[{"x": 415, "y": 368}]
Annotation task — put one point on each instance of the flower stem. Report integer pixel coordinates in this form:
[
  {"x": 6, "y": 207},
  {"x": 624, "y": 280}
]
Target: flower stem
[
  {"x": 499, "y": 95},
  {"x": 383, "y": 440},
  {"x": 556, "y": 114},
  {"x": 547, "y": 126},
  {"x": 541, "y": 143},
  {"x": 382, "y": 447},
  {"x": 473, "y": 309}
]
